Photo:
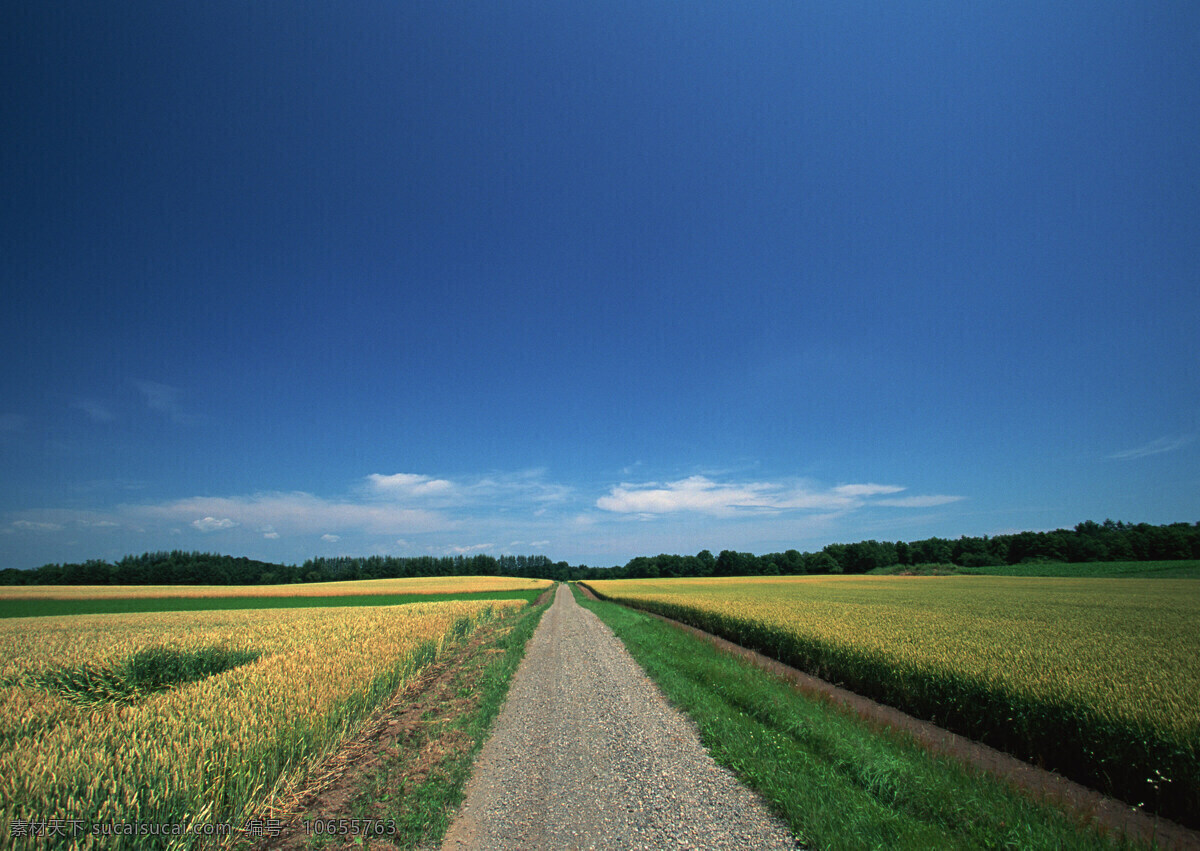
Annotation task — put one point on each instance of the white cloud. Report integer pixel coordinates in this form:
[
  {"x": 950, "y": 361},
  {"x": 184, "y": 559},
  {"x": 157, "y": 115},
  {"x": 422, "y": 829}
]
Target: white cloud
[
  {"x": 695, "y": 493},
  {"x": 525, "y": 486},
  {"x": 211, "y": 524},
  {"x": 425, "y": 513},
  {"x": 409, "y": 485},
  {"x": 35, "y": 526},
  {"x": 1154, "y": 447},
  {"x": 701, "y": 494},
  {"x": 299, "y": 512},
  {"x": 473, "y": 548},
  {"x": 865, "y": 489},
  {"x": 919, "y": 501},
  {"x": 62, "y": 518}
]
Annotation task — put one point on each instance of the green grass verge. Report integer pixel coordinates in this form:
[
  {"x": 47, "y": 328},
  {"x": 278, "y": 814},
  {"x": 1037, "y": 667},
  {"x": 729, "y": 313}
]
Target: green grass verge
[
  {"x": 1147, "y": 764},
  {"x": 422, "y": 806},
  {"x": 835, "y": 780},
  {"x": 29, "y": 608},
  {"x": 1112, "y": 569}
]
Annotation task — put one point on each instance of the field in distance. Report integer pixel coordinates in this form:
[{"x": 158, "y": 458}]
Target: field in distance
[
  {"x": 17, "y": 601},
  {"x": 1093, "y": 677},
  {"x": 1182, "y": 569}
]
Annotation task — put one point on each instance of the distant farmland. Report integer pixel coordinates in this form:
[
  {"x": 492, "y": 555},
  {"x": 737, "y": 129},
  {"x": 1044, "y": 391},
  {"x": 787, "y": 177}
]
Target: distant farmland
[{"x": 43, "y": 600}]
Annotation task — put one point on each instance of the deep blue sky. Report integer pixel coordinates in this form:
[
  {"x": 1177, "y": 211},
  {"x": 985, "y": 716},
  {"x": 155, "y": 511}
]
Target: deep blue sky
[{"x": 594, "y": 280}]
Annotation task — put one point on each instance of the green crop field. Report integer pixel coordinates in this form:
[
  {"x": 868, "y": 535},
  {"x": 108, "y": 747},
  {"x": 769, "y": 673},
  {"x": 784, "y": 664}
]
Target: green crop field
[
  {"x": 45, "y": 600},
  {"x": 1097, "y": 678}
]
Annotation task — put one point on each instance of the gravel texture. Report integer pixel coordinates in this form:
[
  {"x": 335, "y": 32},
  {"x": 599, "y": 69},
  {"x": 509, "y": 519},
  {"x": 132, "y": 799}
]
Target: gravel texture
[{"x": 586, "y": 753}]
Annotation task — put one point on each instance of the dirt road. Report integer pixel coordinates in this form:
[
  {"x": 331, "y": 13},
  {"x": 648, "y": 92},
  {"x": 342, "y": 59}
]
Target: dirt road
[{"x": 586, "y": 753}]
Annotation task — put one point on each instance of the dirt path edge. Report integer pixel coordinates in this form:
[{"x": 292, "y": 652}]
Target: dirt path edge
[{"x": 1110, "y": 813}]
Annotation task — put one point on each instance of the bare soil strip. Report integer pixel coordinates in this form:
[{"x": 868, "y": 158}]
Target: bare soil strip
[
  {"x": 405, "y": 742},
  {"x": 1114, "y": 815},
  {"x": 586, "y": 753}
]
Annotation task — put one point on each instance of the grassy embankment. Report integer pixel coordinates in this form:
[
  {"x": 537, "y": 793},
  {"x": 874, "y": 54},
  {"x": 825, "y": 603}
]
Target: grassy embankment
[
  {"x": 836, "y": 781},
  {"x": 420, "y": 779}
]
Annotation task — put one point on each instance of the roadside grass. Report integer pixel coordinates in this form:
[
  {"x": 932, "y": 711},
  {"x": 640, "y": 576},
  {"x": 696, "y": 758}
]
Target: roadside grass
[
  {"x": 1114, "y": 569},
  {"x": 420, "y": 784},
  {"x": 837, "y": 781},
  {"x": 40, "y": 607}
]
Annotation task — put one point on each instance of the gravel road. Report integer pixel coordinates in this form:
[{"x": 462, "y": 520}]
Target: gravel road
[{"x": 586, "y": 753}]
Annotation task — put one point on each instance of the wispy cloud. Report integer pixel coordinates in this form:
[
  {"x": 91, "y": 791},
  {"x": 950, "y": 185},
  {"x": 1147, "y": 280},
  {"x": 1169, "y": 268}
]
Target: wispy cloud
[
  {"x": 93, "y": 485},
  {"x": 526, "y": 486},
  {"x": 165, "y": 400},
  {"x": 36, "y": 526},
  {"x": 97, "y": 412},
  {"x": 702, "y": 495},
  {"x": 919, "y": 501},
  {"x": 695, "y": 493},
  {"x": 865, "y": 490},
  {"x": 462, "y": 551},
  {"x": 417, "y": 512},
  {"x": 53, "y": 520},
  {"x": 212, "y": 524},
  {"x": 293, "y": 512},
  {"x": 409, "y": 485},
  {"x": 522, "y": 486},
  {"x": 1154, "y": 447}
]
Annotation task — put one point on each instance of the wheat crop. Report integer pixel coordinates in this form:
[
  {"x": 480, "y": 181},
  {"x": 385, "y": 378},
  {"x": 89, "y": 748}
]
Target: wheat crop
[
  {"x": 94, "y": 734},
  {"x": 1098, "y": 678}
]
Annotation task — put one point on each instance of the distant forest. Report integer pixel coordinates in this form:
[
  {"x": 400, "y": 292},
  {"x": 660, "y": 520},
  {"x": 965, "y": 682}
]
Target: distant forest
[
  {"x": 192, "y": 568},
  {"x": 1087, "y": 542}
]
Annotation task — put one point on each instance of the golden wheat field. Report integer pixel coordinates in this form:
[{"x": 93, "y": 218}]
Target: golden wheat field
[
  {"x": 82, "y": 740},
  {"x": 1098, "y": 677},
  {"x": 410, "y": 585},
  {"x": 1130, "y": 648}
]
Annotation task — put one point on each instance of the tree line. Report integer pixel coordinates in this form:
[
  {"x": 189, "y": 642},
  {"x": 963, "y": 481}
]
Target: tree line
[
  {"x": 195, "y": 568},
  {"x": 1088, "y": 541}
]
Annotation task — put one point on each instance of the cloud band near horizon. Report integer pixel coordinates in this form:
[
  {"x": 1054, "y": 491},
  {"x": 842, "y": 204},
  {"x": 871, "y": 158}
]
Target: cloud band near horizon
[{"x": 422, "y": 512}]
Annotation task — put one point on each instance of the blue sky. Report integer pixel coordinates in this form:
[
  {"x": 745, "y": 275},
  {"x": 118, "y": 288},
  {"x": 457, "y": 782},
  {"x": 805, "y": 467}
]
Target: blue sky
[{"x": 593, "y": 280}]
